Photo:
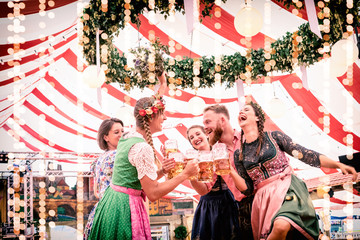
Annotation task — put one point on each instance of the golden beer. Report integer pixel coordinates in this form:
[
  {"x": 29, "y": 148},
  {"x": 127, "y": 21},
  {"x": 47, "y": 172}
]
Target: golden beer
[
  {"x": 170, "y": 150},
  {"x": 179, "y": 164},
  {"x": 206, "y": 171},
  {"x": 221, "y": 159},
  {"x": 179, "y": 167},
  {"x": 222, "y": 166},
  {"x": 170, "y": 146},
  {"x": 187, "y": 160}
]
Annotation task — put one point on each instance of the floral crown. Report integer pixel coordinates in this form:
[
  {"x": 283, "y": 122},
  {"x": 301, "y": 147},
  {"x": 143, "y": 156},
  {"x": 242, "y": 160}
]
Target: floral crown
[{"x": 157, "y": 103}]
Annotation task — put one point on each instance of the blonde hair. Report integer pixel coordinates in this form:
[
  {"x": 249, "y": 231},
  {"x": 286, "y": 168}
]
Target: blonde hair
[
  {"x": 143, "y": 122},
  {"x": 217, "y": 108}
]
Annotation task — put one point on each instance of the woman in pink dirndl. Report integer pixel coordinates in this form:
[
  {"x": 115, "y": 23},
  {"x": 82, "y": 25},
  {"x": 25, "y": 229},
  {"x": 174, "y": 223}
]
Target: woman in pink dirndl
[{"x": 282, "y": 207}]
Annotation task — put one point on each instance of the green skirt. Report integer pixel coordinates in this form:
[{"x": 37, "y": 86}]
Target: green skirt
[
  {"x": 112, "y": 217},
  {"x": 298, "y": 209}
]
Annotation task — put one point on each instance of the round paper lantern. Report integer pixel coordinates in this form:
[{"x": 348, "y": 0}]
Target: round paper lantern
[
  {"x": 126, "y": 115},
  {"x": 276, "y": 108},
  {"x": 92, "y": 78},
  {"x": 196, "y": 105},
  {"x": 248, "y": 21},
  {"x": 345, "y": 50},
  {"x": 337, "y": 68}
]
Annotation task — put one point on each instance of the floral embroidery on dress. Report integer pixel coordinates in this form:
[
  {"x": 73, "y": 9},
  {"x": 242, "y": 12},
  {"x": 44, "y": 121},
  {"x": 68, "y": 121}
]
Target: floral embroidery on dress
[
  {"x": 272, "y": 159},
  {"x": 103, "y": 170}
]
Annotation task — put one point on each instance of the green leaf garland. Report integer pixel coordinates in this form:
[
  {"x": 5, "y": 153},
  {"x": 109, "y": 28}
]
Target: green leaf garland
[{"x": 286, "y": 52}]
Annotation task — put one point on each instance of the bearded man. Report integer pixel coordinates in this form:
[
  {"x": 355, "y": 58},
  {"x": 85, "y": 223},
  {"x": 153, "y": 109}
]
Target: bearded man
[{"x": 216, "y": 120}]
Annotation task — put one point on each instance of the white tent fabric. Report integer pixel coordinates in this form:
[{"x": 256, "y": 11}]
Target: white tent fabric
[{"x": 45, "y": 106}]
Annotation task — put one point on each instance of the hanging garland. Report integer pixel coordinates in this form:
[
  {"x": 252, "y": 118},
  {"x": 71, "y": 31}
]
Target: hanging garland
[{"x": 301, "y": 48}]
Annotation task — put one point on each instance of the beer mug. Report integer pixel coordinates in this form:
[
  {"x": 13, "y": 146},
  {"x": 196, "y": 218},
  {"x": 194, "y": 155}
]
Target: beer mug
[
  {"x": 221, "y": 159},
  {"x": 190, "y": 155},
  {"x": 179, "y": 164},
  {"x": 170, "y": 146},
  {"x": 206, "y": 166}
]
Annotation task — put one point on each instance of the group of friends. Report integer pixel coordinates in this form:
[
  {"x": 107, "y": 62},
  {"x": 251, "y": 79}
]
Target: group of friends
[{"x": 260, "y": 198}]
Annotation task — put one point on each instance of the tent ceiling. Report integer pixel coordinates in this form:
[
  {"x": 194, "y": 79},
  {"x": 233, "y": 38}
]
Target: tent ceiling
[{"x": 55, "y": 111}]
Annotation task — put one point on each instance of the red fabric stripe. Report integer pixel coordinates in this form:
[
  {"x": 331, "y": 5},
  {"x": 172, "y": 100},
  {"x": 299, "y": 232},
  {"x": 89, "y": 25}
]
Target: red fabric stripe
[
  {"x": 328, "y": 170},
  {"x": 144, "y": 29},
  {"x": 42, "y": 139},
  {"x": 310, "y": 106},
  {"x": 6, "y": 118},
  {"x": 339, "y": 201},
  {"x": 28, "y": 86},
  {"x": 120, "y": 95},
  {"x": 55, "y": 122},
  {"x": 71, "y": 58},
  {"x": 162, "y": 138},
  {"x": 28, "y": 44},
  {"x": 269, "y": 125},
  {"x": 36, "y": 56},
  {"x": 24, "y": 97},
  {"x": 31, "y": 7},
  {"x": 27, "y": 74},
  {"x": 72, "y": 98},
  {"x": 14, "y": 135},
  {"x": 182, "y": 129},
  {"x": 302, "y": 11},
  {"x": 354, "y": 89},
  {"x": 228, "y": 30},
  {"x": 45, "y": 100},
  {"x": 33, "y": 148}
]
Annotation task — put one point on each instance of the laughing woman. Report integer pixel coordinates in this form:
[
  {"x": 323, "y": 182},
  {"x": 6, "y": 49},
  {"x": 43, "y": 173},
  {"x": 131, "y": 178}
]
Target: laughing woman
[
  {"x": 282, "y": 208},
  {"x": 216, "y": 214},
  {"x": 121, "y": 213}
]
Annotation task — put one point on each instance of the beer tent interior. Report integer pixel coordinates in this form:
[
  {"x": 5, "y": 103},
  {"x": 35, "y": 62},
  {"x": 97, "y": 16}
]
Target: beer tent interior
[{"x": 46, "y": 107}]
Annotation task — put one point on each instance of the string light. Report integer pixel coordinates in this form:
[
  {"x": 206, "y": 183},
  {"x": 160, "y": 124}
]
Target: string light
[
  {"x": 42, "y": 209},
  {"x": 80, "y": 206}
]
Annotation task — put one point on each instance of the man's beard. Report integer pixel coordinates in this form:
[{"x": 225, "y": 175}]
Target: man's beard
[{"x": 216, "y": 136}]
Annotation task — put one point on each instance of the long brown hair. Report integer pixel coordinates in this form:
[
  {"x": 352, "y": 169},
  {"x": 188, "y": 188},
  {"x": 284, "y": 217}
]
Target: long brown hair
[
  {"x": 104, "y": 130},
  {"x": 260, "y": 124},
  {"x": 143, "y": 121}
]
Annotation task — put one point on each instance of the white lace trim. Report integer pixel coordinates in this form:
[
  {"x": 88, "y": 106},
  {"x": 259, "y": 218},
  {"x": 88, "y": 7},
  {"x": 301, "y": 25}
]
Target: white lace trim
[{"x": 141, "y": 155}]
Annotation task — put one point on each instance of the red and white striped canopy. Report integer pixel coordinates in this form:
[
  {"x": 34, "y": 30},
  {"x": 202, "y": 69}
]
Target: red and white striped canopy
[{"x": 56, "y": 111}]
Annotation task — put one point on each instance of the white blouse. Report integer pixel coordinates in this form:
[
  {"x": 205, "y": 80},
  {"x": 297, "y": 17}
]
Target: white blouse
[{"x": 141, "y": 156}]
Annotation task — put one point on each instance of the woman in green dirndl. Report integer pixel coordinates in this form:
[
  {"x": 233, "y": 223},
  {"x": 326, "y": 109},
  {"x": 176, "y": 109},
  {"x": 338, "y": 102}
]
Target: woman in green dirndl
[{"x": 121, "y": 213}]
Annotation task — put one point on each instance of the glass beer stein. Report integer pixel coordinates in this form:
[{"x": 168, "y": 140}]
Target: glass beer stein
[
  {"x": 221, "y": 159},
  {"x": 170, "y": 146},
  {"x": 206, "y": 166},
  {"x": 191, "y": 154},
  {"x": 179, "y": 164}
]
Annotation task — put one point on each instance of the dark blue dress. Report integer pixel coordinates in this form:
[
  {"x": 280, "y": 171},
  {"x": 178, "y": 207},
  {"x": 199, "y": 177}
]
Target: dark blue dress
[{"x": 216, "y": 216}]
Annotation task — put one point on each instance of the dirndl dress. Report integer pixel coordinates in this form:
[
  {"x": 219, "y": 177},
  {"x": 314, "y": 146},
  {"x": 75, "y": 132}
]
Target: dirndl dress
[
  {"x": 216, "y": 216},
  {"x": 121, "y": 212}
]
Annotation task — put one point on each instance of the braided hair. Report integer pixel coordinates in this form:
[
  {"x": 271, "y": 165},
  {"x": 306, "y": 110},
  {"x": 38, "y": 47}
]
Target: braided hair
[
  {"x": 143, "y": 121},
  {"x": 260, "y": 124}
]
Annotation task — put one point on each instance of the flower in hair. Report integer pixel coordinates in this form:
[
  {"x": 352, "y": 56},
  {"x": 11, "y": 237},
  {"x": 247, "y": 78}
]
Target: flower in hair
[
  {"x": 142, "y": 112},
  {"x": 150, "y": 111},
  {"x": 154, "y": 109}
]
